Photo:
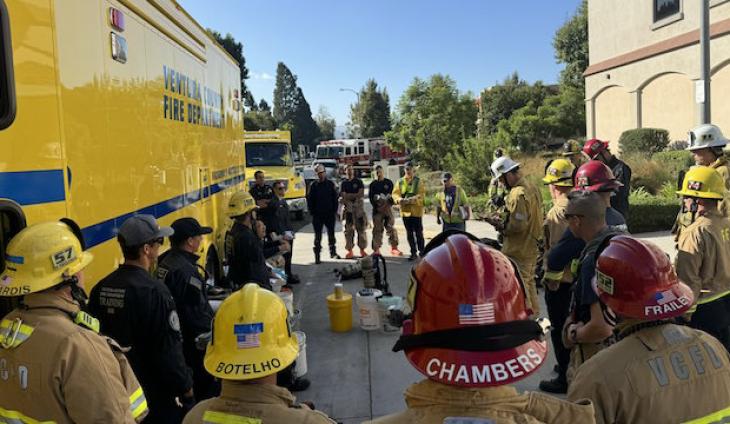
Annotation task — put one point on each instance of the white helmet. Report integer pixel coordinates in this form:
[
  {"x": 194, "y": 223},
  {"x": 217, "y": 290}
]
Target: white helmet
[
  {"x": 503, "y": 165},
  {"x": 706, "y": 136}
]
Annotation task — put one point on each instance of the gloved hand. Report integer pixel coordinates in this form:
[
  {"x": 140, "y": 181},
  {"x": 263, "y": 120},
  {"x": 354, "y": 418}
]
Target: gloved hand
[{"x": 187, "y": 401}]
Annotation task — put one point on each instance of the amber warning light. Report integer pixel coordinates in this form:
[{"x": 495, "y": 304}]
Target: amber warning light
[{"x": 116, "y": 19}]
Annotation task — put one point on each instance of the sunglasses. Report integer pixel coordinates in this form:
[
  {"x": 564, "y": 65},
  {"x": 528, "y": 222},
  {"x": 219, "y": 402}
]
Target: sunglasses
[{"x": 159, "y": 241}]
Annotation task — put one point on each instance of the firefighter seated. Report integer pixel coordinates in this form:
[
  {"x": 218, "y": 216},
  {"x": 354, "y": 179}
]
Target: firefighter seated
[
  {"x": 470, "y": 335},
  {"x": 251, "y": 344}
]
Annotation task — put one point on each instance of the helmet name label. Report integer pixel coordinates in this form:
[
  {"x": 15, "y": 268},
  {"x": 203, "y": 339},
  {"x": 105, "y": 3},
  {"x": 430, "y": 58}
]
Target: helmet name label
[
  {"x": 14, "y": 291},
  {"x": 486, "y": 373},
  {"x": 667, "y": 305},
  {"x": 247, "y": 369}
]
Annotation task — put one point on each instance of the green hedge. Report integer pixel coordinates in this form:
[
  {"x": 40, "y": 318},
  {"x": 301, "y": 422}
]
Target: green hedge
[
  {"x": 652, "y": 214},
  {"x": 643, "y": 140},
  {"x": 674, "y": 161},
  {"x": 646, "y": 214}
]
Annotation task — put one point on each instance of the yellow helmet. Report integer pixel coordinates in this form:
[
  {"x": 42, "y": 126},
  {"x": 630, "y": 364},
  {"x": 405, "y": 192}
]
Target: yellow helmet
[
  {"x": 703, "y": 182},
  {"x": 240, "y": 203},
  {"x": 559, "y": 173},
  {"x": 572, "y": 147},
  {"x": 40, "y": 257},
  {"x": 251, "y": 336}
]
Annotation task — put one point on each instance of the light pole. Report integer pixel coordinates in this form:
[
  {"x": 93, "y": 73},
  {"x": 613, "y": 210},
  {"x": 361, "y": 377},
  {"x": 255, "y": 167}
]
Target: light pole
[
  {"x": 705, "y": 97},
  {"x": 352, "y": 91}
]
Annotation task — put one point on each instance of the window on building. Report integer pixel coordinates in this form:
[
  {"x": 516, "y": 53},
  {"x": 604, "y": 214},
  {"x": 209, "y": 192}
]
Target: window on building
[
  {"x": 664, "y": 9},
  {"x": 7, "y": 85}
]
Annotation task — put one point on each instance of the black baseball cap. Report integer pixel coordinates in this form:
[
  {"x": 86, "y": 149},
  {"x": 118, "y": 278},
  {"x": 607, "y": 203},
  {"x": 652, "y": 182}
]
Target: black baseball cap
[
  {"x": 409, "y": 164},
  {"x": 188, "y": 227},
  {"x": 446, "y": 176}
]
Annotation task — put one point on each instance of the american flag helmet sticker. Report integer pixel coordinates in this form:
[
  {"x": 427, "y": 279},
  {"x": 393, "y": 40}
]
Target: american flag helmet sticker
[
  {"x": 248, "y": 335},
  {"x": 480, "y": 313}
]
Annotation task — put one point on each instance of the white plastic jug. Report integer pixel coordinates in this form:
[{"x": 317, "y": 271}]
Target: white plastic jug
[{"x": 367, "y": 305}]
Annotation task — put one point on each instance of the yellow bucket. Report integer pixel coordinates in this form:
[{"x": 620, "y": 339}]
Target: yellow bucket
[{"x": 339, "y": 305}]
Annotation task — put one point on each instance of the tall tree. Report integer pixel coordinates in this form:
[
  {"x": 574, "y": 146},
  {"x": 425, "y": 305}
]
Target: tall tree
[
  {"x": 571, "y": 48},
  {"x": 285, "y": 94},
  {"x": 235, "y": 49},
  {"x": 499, "y": 102},
  {"x": 326, "y": 124},
  {"x": 291, "y": 108},
  {"x": 433, "y": 119},
  {"x": 371, "y": 114}
]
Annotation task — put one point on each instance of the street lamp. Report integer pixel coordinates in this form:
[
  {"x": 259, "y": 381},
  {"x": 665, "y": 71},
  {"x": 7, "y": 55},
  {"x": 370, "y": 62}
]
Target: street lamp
[
  {"x": 704, "y": 84},
  {"x": 353, "y": 91}
]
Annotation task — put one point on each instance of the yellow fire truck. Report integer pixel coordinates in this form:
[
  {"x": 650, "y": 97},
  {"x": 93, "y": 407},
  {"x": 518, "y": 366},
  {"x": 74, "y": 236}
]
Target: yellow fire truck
[
  {"x": 110, "y": 108},
  {"x": 270, "y": 152}
]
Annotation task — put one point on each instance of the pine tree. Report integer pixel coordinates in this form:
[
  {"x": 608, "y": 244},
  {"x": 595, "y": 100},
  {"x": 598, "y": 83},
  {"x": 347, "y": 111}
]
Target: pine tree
[
  {"x": 291, "y": 109},
  {"x": 371, "y": 113}
]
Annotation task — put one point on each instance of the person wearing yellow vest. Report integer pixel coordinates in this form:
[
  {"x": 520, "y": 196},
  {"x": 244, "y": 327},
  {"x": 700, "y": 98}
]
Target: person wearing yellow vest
[
  {"x": 703, "y": 258},
  {"x": 54, "y": 366},
  {"x": 409, "y": 194},
  {"x": 558, "y": 283},
  {"x": 251, "y": 343},
  {"x": 522, "y": 228},
  {"x": 453, "y": 209}
]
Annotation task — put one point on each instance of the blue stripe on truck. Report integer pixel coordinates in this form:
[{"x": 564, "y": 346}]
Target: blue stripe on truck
[
  {"x": 37, "y": 187},
  {"x": 33, "y": 187}
]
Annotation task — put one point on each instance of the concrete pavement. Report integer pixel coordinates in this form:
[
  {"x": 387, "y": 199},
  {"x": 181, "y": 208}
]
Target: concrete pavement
[{"x": 355, "y": 376}]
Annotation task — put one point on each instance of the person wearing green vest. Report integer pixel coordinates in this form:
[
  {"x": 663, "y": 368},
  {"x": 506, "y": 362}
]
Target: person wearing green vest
[
  {"x": 409, "y": 194},
  {"x": 453, "y": 210}
]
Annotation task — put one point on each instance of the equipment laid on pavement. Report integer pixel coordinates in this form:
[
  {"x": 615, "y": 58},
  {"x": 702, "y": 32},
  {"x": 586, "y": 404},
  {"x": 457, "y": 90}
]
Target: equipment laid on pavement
[
  {"x": 367, "y": 305},
  {"x": 339, "y": 305},
  {"x": 387, "y": 306}
]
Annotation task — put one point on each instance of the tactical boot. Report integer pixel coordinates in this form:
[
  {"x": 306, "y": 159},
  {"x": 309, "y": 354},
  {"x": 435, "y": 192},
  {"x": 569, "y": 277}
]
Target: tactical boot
[
  {"x": 316, "y": 258},
  {"x": 333, "y": 253},
  {"x": 556, "y": 385}
]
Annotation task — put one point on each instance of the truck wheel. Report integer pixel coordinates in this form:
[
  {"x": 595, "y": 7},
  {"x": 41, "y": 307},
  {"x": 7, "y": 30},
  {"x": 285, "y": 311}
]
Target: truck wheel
[{"x": 298, "y": 215}]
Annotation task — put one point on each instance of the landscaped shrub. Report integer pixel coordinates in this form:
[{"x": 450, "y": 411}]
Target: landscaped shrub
[
  {"x": 646, "y": 173},
  {"x": 651, "y": 213},
  {"x": 643, "y": 140},
  {"x": 674, "y": 161}
]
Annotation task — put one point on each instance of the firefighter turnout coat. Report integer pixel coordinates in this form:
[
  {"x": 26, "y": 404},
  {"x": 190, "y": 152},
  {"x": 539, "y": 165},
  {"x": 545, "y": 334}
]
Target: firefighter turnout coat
[{"x": 55, "y": 367}]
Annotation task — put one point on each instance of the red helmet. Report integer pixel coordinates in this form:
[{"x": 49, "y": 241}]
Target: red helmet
[
  {"x": 594, "y": 146},
  {"x": 595, "y": 176},
  {"x": 470, "y": 325},
  {"x": 636, "y": 280}
]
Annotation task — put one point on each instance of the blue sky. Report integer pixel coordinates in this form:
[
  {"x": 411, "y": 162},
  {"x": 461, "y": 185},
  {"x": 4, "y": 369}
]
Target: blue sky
[{"x": 332, "y": 44}]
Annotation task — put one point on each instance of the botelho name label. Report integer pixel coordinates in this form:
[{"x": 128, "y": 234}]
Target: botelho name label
[{"x": 248, "y": 369}]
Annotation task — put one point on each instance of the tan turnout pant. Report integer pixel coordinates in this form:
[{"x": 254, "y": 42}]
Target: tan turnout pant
[{"x": 384, "y": 221}]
